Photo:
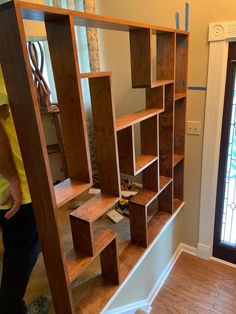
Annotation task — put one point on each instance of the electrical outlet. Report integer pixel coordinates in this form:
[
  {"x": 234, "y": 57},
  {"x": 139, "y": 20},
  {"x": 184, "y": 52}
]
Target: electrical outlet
[{"x": 193, "y": 127}]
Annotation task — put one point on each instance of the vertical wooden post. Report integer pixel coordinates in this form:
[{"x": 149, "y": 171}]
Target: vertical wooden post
[
  {"x": 24, "y": 105},
  {"x": 63, "y": 52}
]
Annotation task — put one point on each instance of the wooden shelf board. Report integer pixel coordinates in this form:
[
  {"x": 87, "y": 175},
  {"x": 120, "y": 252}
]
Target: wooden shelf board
[
  {"x": 69, "y": 189},
  {"x": 39, "y": 12},
  {"x": 95, "y": 207},
  {"x": 131, "y": 119},
  {"x": 177, "y": 204},
  {"x": 143, "y": 161},
  {"x": 158, "y": 83},
  {"x": 78, "y": 261},
  {"x": 177, "y": 159},
  {"x": 94, "y": 74},
  {"x": 180, "y": 96},
  {"x": 164, "y": 181},
  {"x": 144, "y": 197}
]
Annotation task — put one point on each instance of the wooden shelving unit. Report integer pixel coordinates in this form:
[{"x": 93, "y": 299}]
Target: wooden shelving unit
[{"x": 161, "y": 161}]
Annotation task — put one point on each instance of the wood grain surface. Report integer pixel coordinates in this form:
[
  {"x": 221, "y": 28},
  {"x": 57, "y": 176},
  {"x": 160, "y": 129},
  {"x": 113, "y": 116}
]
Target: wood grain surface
[{"x": 197, "y": 286}]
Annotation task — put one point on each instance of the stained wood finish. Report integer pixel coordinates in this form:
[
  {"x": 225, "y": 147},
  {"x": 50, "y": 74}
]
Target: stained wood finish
[
  {"x": 149, "y": 136},
  {"x": 105, "y": 135},
  {"x": 140, "y": 53},
  {"x": 150, "y": 177},
  {"x": 126, "y": 150},
  {"x": 196, "y": 285},
  {"x": 100, "y": 291},
  {"x": 78, "y": 261},
  {"x": 143, "y": 197},
  {"x": 136, "y": 117},
  {"x": 165, "y": 47},
  {"x": 179, "y": 126},
  {"x": 180, "y": 96},
  {"x": 94, "y": 208},
  {"x": 155, "y": 97},
  {"x": 63, "y": 52},
  {"x": 177, "y": 204},
  {"x": 82, "y": 235},
  {"x": 166, "y": 134},
  {"x": 158, "y": 83},
  {"x": 138, "y": 224},
  {"x": 181, "y": 63},
  {"x": 69, "y": 189},
  {"x": 165, "y": 199},
  {"x": 109, "y": 262},
  {"x": 164, "y": 181},
  {"x": 143, "y": 162},
  {"x": 177, "y": 159},
  {"x": 25, "y": 109},
  {"x": 94, "y": 74},
  {"x": 179, "y": 181}
]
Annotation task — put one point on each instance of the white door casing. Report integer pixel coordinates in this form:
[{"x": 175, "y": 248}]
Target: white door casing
[{"x": 220, "y": 34}]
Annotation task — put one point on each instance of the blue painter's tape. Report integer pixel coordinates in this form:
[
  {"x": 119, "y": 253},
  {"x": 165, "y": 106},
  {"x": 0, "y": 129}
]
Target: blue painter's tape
[
  {"x": 177, "y": 20},
  {"x": 197, "y": 88},
  {"x": 186, "y": 16}
]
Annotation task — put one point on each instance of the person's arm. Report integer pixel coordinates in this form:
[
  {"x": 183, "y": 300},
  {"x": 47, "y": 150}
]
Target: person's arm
[{"x": 8, "y": 170}]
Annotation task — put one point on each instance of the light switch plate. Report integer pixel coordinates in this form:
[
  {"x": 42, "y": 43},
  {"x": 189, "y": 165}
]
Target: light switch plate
[{"x": 193, "y": 127}]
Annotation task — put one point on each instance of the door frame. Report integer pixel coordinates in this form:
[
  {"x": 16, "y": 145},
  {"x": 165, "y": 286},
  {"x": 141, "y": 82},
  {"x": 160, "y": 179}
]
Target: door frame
[{"x": 220, "y": 34}]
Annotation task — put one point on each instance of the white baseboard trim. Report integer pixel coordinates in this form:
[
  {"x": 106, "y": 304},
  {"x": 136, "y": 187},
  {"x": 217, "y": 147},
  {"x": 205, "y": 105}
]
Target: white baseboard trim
[
  {"x": 218, "y": 260},
  {"x": 145, "y": 305},
  {"x": 203, "y": 251},
  {"x": 131, "y": 308}
]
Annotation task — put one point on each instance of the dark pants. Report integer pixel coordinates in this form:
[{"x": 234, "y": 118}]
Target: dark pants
[{"x": 21, "y": 249}]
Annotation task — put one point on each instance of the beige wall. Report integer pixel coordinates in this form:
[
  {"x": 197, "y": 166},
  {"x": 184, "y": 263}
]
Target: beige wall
[{"x": 116, "y": 47}]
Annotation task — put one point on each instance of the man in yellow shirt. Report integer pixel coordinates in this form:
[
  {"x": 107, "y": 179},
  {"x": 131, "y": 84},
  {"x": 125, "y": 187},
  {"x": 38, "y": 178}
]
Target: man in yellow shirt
[{"x": 19, "y": 231}]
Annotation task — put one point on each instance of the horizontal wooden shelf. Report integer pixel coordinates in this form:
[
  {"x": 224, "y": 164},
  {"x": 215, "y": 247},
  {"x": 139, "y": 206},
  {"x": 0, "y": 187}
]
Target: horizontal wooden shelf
[
  {"x": 95, "y": 207},
  {"x": 53, "y": 148},
  {"x": 69, "y": 189},
  {"x": 158, "y": 83},
  {"x": 94, "y": 74},
  {"x": 38, "y": 12},
  {"x": 177, "y": 204},
  {"x": 164, "y": 181},
  {"x": 180, "y": 96},
  {"x": 77, "y": 261},
  {"x": 144, "y": 197},
  {"x": 143, "y": 161},
  {"x": 177, "y": 159},
  {"x": 133, "y": 118}
]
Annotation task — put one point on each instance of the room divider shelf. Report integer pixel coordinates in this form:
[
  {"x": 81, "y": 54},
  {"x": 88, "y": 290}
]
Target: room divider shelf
[
  {"x": 68, "y": 189},
  {"x": 161, "y": 132}
]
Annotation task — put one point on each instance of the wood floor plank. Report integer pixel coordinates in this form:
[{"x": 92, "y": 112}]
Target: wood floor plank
[{"x": 197, "y": 286}]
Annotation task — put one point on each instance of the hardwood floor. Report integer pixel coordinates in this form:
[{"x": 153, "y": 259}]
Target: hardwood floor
[{"x": 197, "y": 286}]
